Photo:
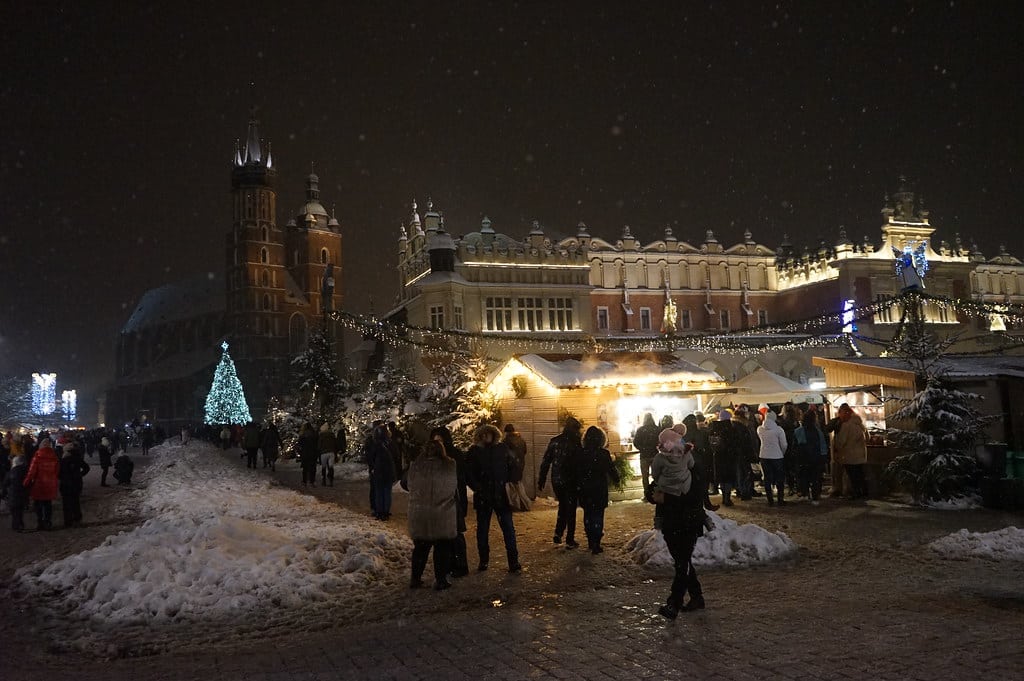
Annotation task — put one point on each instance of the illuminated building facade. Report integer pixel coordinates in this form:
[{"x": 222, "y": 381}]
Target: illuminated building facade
[{"x": 512, "y": 295}]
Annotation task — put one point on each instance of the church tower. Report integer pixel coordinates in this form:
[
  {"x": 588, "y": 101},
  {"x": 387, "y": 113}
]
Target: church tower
[
  {"x": 255, "y": 253},
  {"x": 313, "y": 251}
]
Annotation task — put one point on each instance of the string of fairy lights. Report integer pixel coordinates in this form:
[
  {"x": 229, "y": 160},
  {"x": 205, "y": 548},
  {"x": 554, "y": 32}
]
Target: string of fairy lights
[{"x": 834, "y": 329}]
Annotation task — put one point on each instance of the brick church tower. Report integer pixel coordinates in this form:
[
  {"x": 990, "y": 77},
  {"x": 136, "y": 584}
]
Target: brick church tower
[{"x": 275, "y": 278}]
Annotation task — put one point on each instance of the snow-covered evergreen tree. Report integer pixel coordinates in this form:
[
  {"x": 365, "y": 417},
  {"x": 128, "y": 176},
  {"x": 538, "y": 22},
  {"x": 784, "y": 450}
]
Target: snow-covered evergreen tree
[
  {"x": 938, "y": 460},
  {"x": 225, "y": 403},
  {"x": 460, "y": 398},
  {"x": 15, "y": 400},
  {"x": 319, "y": 388}
]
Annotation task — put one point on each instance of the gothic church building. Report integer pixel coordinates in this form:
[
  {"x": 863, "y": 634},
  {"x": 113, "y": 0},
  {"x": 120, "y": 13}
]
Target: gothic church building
[{"x": 277, "y": 285}]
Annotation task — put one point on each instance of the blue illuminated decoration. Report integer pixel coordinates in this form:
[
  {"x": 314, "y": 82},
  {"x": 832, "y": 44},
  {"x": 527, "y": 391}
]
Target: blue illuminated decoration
[
  {"x": 911, "y": 264},
  {"x": 849, "y": 321}
]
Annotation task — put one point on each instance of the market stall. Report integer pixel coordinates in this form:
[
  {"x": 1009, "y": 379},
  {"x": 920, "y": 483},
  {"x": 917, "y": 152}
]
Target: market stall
[
  {"x": 610, "y": 390},
  {"x": 763, "y": 386}
]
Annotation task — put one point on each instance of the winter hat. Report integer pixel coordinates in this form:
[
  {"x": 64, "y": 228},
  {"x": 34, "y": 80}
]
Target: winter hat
[
  {"x": 668, "y": 439},
  {"x": 762, "y": 408},
  {"x": 725, "y": 415},
  {"x": 680, "y": 428}
]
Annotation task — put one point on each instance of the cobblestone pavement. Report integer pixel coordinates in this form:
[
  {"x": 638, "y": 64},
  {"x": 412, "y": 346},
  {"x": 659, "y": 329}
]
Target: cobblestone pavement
[{"x": 863, "y": 599}]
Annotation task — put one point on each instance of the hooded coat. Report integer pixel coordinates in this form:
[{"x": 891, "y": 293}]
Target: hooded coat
[
  {"x": 562, "y": 449},
  {"x": 43, "y": 475},
  {"x": 670, "y": 470},
  {"x": 431, "y": 481},
  {"x": 72, "y": 469},
  {"x": 773, "y": 438},
  {"x": 850, "y": 444}
]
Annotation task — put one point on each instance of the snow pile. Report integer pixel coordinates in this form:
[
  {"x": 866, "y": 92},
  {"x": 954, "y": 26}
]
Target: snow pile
[
  {"x": 727, "y": 544},
  {"x": 220, "y": 541},
  {"x": 964, "y": 503},
  {"x": 1004, "y": 544}
]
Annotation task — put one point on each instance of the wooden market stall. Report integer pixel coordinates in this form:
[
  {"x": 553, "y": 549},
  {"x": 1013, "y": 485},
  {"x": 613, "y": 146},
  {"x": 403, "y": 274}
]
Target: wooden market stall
[{"x": 536, "y": 392}]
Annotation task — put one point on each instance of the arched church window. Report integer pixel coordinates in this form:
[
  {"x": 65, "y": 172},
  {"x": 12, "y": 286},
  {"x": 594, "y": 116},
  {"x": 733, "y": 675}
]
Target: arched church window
[
  {"x": 264, "y": 256},
  {"x": 324, "y": 256},
  {"x": 266, "y": 302},
  {"x": 265, "y": 234},
  {"x": 265, "y": 279}
]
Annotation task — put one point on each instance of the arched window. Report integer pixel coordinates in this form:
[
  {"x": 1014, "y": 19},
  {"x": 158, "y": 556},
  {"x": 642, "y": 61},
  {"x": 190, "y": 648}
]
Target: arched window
[
  {"x": 297, "y": 334},
  {"x": 325, "y": 256},
  {"x": 266, "y": 301},
  {"x": 265, "y": 279},
  {"x": 266, "y": 234},
  {"x": 264, "y": 257}
]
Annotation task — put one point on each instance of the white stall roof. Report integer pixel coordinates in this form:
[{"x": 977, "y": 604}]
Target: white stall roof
[{"x": 624, "y": 369}]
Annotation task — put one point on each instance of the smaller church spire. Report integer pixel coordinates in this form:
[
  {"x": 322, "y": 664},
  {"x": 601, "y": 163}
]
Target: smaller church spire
[{"x": 253, "y": 152}]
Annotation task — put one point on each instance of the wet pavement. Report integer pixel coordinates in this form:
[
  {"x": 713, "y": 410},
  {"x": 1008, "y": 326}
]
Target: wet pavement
[{"x": 864, "y": 598}]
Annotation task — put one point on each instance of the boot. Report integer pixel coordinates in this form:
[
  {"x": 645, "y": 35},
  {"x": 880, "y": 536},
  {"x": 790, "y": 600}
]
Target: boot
[
  {"x": 695, "y": 603},
  {"x": 668, "y": 611},
  {"x": 771, "y": 500}
]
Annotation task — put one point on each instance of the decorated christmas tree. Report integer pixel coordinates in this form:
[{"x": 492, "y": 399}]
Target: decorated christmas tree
[
  {"x": 461, "y": 400},
  {"x": 319, "y": 388},
  {"x": 942, "y": 424},
  {"x": 225, "y": 404}
]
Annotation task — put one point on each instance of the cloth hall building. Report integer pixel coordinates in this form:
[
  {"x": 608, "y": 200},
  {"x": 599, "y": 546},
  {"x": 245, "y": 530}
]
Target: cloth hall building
[{"x": 537, "y": 294}]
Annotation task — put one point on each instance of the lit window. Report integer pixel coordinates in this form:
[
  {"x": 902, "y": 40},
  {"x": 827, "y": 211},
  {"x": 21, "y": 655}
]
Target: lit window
[
  {"x": 602, "y": 319},
  {"x": 324, "y": 256},
  {"x": 498, "y": 313},
  {"x": 531, "y": 314},
  {"x": 560, "y": 314}
]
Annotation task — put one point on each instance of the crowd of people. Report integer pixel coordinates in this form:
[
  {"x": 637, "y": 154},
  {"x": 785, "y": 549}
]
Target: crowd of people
[{"x": 36, "y": 470}]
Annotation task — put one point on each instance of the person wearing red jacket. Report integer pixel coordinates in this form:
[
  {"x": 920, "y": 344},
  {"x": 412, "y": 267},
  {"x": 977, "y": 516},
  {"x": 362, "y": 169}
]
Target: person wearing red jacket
[{"x": 42, "y": 480}]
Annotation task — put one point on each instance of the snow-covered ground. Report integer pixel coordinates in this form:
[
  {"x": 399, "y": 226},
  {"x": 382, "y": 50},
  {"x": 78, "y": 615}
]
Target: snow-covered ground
[
  {"x": 1004, "y": 544},
  {"x": 727, "y": 544},
  {"x": 220, "y": 542}
]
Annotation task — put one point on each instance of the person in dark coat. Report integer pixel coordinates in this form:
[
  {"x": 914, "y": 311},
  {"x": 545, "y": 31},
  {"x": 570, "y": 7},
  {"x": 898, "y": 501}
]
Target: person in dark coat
[
  {"x": 489, "y": 466},
  {"x": 341, "y": 437},
  {"x": 380, "y": 458},
  {"x": 682, "y": 520},
  {"x": 562, "y": 450},
  {"x": 251, "y": 443},
  {"x": 722, "y": 438},
  {"x": 308, "y": 454},
  {"x": 431, "y": 483},
  {"x": 645, "y": 439},
  {"x": 123, "y": 468},
  {"x": 148, "y": 439},
  {"x": 106, "y": 459},
  {"x": 72, "y": 469},
  {"x": 270, "y": 445},
  {"x": 17, "y": 495},
  {"x": 459, "y": 557},
  {"x": 518, "y": 497},
  {"x": 596, "y": 470}
]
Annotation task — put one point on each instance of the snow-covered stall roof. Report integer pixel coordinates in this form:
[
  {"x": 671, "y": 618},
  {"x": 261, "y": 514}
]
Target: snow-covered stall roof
[
  {"x": 770, "y": 388},
  {"x": 620, "y": 369}
]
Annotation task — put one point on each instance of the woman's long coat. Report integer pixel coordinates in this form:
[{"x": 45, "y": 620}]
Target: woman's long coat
[{"x": 432, "y": 498}]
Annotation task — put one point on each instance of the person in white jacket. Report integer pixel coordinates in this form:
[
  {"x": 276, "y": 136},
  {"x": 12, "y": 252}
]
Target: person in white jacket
[{"x": 773, "y": 451}]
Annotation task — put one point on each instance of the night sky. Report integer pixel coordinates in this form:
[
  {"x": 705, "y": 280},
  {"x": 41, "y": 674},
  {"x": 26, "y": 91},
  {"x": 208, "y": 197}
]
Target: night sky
[{"x": 117, "y": 130}]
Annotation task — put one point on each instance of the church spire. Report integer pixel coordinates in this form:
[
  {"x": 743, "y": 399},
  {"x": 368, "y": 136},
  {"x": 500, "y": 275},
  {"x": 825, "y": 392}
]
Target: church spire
[{"x": 253, "y": 152}]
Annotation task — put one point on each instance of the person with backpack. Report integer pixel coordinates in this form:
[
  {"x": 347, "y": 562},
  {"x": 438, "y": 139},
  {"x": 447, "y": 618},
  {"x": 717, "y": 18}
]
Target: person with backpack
[{"x": 562, "y": 451}]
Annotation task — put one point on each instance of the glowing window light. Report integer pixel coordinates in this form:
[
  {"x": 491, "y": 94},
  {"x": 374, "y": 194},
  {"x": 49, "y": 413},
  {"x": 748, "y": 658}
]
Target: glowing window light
[
  {"x": 69, "y": 404},
  {"x": 44, "y": 394}
]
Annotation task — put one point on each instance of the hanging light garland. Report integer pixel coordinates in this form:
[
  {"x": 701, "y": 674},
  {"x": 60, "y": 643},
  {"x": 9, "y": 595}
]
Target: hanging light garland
[{"x": 812, "y": 332}]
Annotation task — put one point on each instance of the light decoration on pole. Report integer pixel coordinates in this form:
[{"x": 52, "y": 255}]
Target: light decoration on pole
[
  {"x": 225, "y": 403},
  {"x": 44, "y": 394},
  {"x": 69, "y": 404}
]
